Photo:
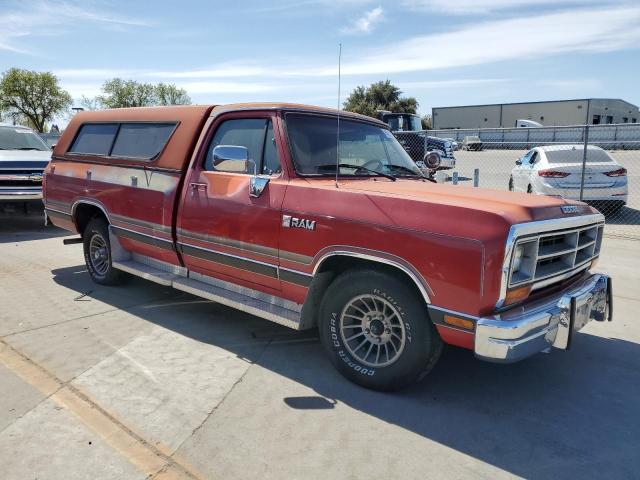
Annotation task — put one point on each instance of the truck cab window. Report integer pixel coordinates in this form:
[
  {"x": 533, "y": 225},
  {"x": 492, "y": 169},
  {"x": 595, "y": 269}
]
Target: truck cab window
[{"x": 256, "y": 135}]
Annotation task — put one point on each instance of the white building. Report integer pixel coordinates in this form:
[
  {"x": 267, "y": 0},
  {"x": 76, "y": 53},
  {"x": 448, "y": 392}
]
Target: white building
[{"x": 593, "y": 111}]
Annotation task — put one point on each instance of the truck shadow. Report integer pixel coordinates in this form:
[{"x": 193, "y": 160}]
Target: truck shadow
[
  {"x": 625, "y": 216},
  {"x": 562, "y": 415},
  {"x": 17, "y": 226}
]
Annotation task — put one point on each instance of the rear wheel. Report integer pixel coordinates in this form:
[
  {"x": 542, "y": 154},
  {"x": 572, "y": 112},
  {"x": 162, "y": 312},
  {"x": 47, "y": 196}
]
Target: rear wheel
[
  {"x": 97, "y": 253},
  {"x": 377, "y": 330},
  {"x": 529, "y": 189}
]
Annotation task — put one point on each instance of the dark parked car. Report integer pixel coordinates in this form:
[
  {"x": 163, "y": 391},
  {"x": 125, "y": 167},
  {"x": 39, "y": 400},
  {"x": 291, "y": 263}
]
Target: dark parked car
[{"x": 407, "y": 128}]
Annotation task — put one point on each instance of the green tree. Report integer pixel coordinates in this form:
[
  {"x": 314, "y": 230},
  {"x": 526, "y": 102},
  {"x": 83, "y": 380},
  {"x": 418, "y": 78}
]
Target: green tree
[
  {"x": 169, "y": 94},
  {"x": 427, "y": 122},
  {"x": 32, "y": 97},
  {"x": 119, "y": 93},
  {"x": 382, "y": 95}
]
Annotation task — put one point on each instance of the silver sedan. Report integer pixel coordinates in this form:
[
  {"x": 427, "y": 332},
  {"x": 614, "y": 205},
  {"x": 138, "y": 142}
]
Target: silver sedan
[{"x": 557, "y": 170}]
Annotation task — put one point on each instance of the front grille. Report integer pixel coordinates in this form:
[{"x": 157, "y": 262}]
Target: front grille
[
  {"x": 20, "y": 179},
  {"x": 19, "y": 183},
  {"x": 555, "y": 255}
]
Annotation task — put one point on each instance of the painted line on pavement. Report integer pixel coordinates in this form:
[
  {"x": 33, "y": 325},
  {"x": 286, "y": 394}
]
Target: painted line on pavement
[{"x": 148, "y": 458}]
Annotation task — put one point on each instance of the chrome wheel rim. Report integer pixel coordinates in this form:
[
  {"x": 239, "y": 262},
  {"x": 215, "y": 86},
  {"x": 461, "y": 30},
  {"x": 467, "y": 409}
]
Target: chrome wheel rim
[
  {"x": 372, "y": 330},
  {"x": 99, "y": 254}
]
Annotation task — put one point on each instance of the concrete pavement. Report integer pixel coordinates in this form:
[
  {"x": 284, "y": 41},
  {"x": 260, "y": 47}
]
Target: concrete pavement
[{"x": 142, "y": 381}]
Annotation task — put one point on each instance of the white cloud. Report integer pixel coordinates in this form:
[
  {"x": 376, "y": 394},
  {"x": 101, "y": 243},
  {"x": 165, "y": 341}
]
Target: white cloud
[
  {"x": 474, "y": 7},
  {"x": 515, "y": 40},
  {"x": 365, "y": 23},
  {"x": 587, "y": 30},
  {"x": 47, "y": 18}
]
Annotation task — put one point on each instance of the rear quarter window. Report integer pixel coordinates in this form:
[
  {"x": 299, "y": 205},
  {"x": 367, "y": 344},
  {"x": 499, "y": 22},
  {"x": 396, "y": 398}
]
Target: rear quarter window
[
  {"x": 139, "y": 141},
  {"x": 94, "y": 139},
  {"x": 144, "y": 141}
]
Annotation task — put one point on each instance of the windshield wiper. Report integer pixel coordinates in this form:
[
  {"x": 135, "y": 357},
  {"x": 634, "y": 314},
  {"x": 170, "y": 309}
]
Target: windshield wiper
[
  {"x": 407, "y": 169},
  {"x": 421, "y": 175},
  {"x": 27, "y": 148},
  {"x": 359, "y": 167}
]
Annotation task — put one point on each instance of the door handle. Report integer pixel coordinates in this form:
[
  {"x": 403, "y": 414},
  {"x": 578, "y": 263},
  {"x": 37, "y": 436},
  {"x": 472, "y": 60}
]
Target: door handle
[{"x": 198, "y": 186}]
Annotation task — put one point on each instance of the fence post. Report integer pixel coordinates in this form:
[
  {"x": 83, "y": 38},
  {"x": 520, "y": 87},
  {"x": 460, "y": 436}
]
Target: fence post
[
  {"x": 584, "y": 159},
  {"x": 476, "y": 177}
]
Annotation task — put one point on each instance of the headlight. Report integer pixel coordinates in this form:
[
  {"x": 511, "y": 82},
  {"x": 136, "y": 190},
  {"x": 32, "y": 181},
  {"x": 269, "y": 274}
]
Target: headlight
[
  {"x": 523, "y": 262},
  {"x": 517, "y": 258}
]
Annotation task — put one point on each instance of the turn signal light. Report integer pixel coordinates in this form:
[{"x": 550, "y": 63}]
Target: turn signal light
[
  {"x": 621, "y": 172},
  {"x": 552, "y": 174},
  {"x": 458, "y": 322},
  {"x": 517, "y": 294}
]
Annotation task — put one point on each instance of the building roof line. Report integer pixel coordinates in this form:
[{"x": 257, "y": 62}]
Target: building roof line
[{"x": 538, "y": 102}]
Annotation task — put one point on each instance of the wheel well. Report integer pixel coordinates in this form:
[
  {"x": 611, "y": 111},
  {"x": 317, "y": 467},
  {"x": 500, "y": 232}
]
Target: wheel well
[
  {"x": 334, "y": 266},
  {"x": 83, "y": 213}
]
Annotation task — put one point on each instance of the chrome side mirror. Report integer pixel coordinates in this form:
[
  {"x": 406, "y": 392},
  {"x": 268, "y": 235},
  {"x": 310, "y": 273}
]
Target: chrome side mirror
[
  {"x": 231, "y": 158},
  {"x": 432, "y": 160}
]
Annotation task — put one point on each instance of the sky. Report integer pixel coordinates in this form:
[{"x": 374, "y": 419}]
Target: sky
[{"x": 443, "y": 52}]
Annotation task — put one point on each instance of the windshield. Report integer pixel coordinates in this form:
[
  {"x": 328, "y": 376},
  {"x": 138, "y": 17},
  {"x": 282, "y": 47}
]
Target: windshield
[
  {"x": 415, "y": 123},
  {"x": 575, "y": 155},
  {"x": 404, "y": 123},
  {"x": 313, "y": 145},
  {"x": 20, "y": 139}
]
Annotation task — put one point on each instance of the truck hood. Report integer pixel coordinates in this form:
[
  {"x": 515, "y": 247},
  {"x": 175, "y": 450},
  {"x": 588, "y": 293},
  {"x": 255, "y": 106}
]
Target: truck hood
[
  {"x": 518, "y": 207},
  {"x": 24, "y": 156},
  {"x": 451, "y": 210}
]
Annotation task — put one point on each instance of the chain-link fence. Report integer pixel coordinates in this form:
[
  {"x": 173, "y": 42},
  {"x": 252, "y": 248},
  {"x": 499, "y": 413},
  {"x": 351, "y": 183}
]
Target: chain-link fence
[{"x": 551, "y": 161}]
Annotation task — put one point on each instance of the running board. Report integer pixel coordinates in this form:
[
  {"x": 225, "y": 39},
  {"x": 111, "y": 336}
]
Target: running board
[
  {"x": 251, "y": 301},
  {"x": 146, "y": 272}
]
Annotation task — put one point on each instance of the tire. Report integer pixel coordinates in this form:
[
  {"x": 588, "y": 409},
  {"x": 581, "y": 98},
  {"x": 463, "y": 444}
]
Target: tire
[
  {"x": 511, "y": 184},
  {"x": 97, "y": 253},
  {"x": 529, "y": 189},
  {"x": 416, "y": 345}
]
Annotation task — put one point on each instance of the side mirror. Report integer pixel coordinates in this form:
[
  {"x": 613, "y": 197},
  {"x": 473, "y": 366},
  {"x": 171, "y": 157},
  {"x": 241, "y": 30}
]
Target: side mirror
[
  {"x": 432, "y": 160},
  {"x": 231, "y": 158},
  {"x": 519, "y": 161}
]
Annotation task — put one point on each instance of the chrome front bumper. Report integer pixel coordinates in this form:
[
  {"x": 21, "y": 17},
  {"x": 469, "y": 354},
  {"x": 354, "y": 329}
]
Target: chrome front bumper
[
  {"x": 550, "y": 322},
  {"x": 20, "y": 195}
]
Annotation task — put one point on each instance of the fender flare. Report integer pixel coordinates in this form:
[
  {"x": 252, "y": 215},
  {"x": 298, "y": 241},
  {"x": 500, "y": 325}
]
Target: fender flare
[{"x": 383, "y": 258}]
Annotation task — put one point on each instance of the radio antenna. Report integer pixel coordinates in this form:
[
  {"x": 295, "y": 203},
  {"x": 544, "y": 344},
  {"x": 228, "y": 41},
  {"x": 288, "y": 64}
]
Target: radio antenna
[{"x": 338, "y": 129}]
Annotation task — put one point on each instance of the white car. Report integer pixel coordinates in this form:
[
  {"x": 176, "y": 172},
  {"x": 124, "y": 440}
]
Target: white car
[
  {"x": 557, "y": 170},
  {"x": 23, "y": 158}
]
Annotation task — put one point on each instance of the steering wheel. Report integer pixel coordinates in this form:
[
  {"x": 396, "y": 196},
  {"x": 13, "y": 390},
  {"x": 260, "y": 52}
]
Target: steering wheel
[{"x": 372, "y": 165}]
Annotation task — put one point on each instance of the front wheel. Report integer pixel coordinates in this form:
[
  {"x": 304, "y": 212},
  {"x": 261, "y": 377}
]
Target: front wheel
[
  {"x": 377, "y": 331},
  {"x": 97, "y": 253},
  {"x": 511, "y": 184}
]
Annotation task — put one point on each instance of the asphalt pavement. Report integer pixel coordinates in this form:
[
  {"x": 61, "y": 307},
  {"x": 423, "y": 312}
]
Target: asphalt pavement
[{"x": 140, "y": 381}]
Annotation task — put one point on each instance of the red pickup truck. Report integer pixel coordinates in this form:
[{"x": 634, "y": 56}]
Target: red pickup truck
[{"x": 314, "y": 218}]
